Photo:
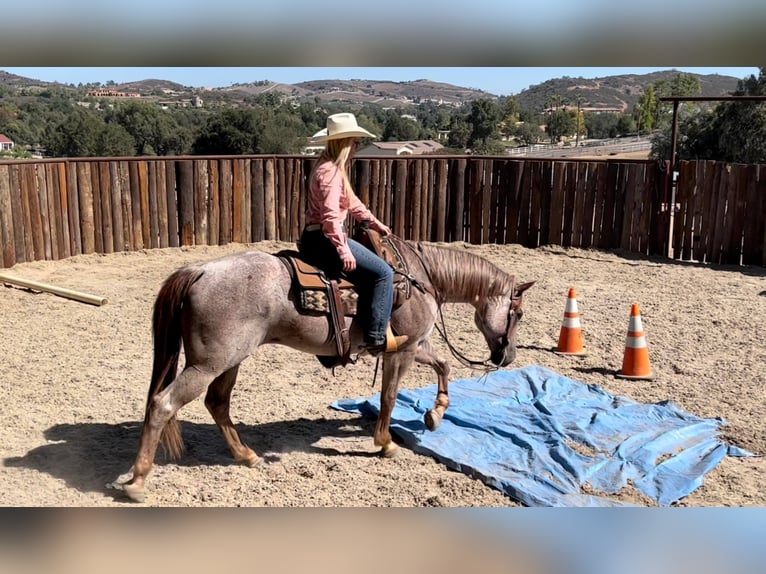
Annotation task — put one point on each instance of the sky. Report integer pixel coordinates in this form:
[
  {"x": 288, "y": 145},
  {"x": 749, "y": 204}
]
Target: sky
[{"x": 501, "y": 81}]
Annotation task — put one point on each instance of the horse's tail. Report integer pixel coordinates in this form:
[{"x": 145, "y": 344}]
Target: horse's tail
[{"x": 166, "y": 334}]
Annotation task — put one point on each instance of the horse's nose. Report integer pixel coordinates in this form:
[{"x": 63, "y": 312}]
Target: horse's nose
[
  {"x": 502, "y": 357},
  {"x": 508, "y": 357}
]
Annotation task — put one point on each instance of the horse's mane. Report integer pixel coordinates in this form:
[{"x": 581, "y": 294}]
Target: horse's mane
[{"x": 461, "y": 276}]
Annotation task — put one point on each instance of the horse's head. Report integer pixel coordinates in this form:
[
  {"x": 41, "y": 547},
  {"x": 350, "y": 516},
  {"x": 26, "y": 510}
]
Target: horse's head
[{"x": 498, "y": 318}]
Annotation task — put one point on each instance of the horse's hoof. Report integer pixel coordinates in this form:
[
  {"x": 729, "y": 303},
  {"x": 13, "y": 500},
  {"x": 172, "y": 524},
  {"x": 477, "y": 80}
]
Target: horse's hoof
[
  {"x": 251, "y": 461},
  {"x": 432, "y": 420},
  {"x": 390, "y": 450},
  {"x": 134, "y": 492}
]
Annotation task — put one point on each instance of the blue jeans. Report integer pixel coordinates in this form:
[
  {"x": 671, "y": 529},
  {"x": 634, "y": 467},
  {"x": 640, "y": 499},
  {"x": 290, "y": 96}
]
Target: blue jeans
[{"x": 373, "y": 278}]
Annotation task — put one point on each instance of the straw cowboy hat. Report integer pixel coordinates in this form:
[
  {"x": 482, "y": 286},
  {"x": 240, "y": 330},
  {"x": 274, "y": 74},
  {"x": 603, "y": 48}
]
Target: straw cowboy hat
[{"x": 341, "y": 126}]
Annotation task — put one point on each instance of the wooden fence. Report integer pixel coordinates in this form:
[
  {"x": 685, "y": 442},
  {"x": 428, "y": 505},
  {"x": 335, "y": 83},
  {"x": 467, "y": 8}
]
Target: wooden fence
[
  {"x": 721, "y": 213},
  {"x": 51, "y": 209}
]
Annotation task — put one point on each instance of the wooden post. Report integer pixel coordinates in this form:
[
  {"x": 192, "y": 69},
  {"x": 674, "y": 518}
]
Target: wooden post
[
  {"x": 116, "y": 203},
  {"x": 270, "y": 201},
  {"x": 185, "y": 178},
  {"x": 172, "y": 203},
  {"x": 8, "y": 257},
  {"x": 214, "y": 202},
  {"x": 258, "y": 191}
]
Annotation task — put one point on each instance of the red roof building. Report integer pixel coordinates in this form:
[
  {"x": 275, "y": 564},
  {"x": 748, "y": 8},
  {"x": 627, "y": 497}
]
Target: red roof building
[{"x": 6, "y": 143}]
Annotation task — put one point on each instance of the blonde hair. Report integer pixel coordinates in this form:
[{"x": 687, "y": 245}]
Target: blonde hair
[{"x": 338, "y": 152}]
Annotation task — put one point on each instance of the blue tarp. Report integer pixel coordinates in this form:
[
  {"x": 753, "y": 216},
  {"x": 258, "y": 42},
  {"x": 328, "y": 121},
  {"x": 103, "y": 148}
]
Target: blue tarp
[{"x": 539, "y": 437}]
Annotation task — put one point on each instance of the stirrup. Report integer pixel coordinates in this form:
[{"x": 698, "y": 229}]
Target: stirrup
[{"x": 393, "y": 342}]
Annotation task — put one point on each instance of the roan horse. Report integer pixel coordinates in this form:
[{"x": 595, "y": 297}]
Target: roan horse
[{"x": 222, "y": 310}]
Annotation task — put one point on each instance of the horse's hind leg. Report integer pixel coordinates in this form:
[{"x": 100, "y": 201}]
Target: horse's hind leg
[
  {"x": 426, "y": 356},
  {"x": 395, "y": 366},
  {"x": 186, "y": 387},
  {"x": 217, "y": 402}
]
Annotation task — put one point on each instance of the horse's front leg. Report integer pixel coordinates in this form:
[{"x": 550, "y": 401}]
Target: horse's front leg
[
  {"x": 425, "y": 355},
  {"x": 395, "y": 366}
]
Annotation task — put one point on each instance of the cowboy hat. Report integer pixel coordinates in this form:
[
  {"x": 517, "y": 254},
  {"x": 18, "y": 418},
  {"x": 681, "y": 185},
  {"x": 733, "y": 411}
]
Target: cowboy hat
[{"x": 341, "y": 126}]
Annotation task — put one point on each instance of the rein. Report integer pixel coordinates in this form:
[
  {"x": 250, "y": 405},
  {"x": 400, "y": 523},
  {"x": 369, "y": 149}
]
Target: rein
[{"x": 484, "y": 365}]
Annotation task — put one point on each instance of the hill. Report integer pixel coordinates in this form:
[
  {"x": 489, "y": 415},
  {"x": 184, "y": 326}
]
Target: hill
[
  {"x": 613, "y": 92},
  {"x": 609, "y": 92}
]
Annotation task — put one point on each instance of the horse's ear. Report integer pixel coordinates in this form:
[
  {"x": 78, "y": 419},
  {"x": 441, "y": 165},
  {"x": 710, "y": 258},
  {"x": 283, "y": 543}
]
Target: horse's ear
[{"x": 524, "y": 286}]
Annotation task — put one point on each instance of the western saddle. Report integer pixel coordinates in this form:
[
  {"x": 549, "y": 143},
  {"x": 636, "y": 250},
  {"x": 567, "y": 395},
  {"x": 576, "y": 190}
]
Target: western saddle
[{"x": 316, "y": 293}]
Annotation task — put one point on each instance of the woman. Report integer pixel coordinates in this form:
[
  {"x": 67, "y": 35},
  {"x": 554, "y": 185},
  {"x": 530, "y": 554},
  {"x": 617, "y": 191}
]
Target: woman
[{"x": 324, "y": 241}]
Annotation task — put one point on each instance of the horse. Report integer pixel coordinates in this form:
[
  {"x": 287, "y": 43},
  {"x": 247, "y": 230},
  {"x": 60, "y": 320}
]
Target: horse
[{"x": 222, "y": 310}]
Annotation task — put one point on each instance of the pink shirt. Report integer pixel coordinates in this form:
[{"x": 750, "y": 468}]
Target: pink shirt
[{"x": 329, "y": 204}]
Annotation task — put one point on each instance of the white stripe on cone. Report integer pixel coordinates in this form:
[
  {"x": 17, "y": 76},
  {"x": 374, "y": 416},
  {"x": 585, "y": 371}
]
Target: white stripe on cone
[
  {"x": 635, "y": 342},
  {"x": 571, "y": 306},
  {"x": 571, "y": 322}
]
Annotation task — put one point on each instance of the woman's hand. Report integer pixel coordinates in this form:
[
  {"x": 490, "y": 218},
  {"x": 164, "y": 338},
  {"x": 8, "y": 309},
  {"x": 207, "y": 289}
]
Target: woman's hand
[
  {"x": 383, "y": 229},
  {"x": 349, "y": 262}
]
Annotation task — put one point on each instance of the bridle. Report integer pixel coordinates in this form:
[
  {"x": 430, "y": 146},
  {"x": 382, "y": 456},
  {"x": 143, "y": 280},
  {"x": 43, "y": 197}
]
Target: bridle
[{"x": 486, "y": 365}]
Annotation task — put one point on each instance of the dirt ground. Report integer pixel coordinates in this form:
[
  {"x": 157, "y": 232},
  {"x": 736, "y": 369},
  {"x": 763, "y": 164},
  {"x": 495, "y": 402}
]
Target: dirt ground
[{"x": 75, "y": 378}]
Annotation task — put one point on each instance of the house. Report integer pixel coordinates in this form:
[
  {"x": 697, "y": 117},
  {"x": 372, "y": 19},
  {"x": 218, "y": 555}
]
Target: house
[
  {"x": 6, "y": 143},
  {"x": 416, "y": 147}
]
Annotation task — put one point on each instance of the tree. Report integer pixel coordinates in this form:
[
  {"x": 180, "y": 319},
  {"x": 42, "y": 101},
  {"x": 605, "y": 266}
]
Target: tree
[
  {"x": 733, "y": 132},
  {"x": 528, "y": 134},
  {"x": 459, "y": 133},
  {"x": 646, "y": 110},
  {"x": 282, "y": 133},
  {"x": 601, "y": 126},
  {"x": 84, "y": 134},
  {"x": 509, "y": 115},
  {"x": 561, "y": 123},
  {"x": 483, "y": 119},
  {"x": 742, "y": 125},
  {"x": 154, "y": 130},
  {"x": 626, "y": 124},
  {"x": 231, "y": 132},
  {"x": 397, "y": 128}
]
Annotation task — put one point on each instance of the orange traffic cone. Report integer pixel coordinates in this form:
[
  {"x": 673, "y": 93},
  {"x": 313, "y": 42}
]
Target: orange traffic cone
[
  {"x": 635, "y": 363},
  {"x": 570, "y": 336}
]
